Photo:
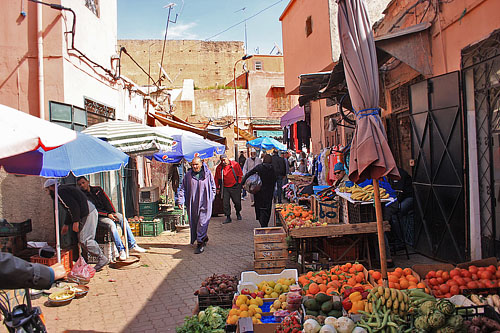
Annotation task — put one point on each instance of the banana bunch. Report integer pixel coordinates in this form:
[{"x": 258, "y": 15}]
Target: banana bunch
[
  {"x": 366, "y": 193},
  {"x": 391, "y": 299}
]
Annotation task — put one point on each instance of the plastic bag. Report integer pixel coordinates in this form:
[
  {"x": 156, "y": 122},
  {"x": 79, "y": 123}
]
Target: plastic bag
[
  {"x": 253, "y": 184},
  {"x": 82, "y": 270}
]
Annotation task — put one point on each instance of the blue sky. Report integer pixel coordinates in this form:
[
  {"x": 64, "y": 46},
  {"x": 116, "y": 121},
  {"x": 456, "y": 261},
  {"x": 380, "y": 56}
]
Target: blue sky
[{"x": 202, "y": 19}]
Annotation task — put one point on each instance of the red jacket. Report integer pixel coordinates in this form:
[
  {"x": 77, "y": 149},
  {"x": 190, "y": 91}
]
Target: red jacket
[{"x": 229, "y": 180}]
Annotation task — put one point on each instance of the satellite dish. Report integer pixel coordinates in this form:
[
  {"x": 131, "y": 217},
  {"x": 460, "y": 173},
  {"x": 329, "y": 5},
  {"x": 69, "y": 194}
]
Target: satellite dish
[{"x": 165, "y": 73}]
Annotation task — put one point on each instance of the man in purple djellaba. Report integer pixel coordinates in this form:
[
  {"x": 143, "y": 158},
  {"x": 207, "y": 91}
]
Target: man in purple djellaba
[{"x": 197, "y": 192}]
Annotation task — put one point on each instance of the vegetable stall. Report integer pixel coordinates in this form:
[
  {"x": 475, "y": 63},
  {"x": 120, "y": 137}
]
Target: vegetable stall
[{"x": 349, "y": 298}]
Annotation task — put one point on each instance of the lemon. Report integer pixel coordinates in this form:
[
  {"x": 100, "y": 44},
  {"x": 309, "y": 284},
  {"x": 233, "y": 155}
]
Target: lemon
[
  {"x": 254, "y": 301},
  {"x": 253, "y": 306},
  {"x": 232, "y": 320},
  {"x": 251, "y": 312},
  {"x": 240, "y": 302},
  {"x": 274, "y": 294},
  {"x": 258, "y": 310},
  {"x": 244, "y": 314},
  {"x": 258, "y": 315},
  {"x": 260, "y": 301}
]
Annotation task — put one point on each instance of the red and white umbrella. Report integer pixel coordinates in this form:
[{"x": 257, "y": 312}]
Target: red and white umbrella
[{"x": 21, "y": 132}]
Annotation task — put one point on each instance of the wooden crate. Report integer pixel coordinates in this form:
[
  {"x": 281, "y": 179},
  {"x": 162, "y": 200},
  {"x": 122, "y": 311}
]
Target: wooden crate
[
  {"x": 270, "y": 246},
  {"x": 269, "y": 235},
  {"x": 328, "y": 211},
  {"x": 271, "y": 254},
  {"x": 337, "y": 230},
  {"x": 278, "y": 263}
]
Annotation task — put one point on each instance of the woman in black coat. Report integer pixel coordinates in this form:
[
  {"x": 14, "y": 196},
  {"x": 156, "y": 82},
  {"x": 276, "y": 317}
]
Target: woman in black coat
[{"x": 263, "y": 198}]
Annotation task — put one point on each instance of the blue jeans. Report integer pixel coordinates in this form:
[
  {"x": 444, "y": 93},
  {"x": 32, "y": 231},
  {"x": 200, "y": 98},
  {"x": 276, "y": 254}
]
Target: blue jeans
[
  {"x": 111, "y": 225},
  {"x": 279, "y": 189}
]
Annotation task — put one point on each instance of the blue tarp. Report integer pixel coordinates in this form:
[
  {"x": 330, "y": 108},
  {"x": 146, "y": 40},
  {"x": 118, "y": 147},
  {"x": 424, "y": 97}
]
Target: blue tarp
[
  {"x": 266, "y": 144},
  {"x": 187, "y": 145},
  {"x": 83, "y": 156}
]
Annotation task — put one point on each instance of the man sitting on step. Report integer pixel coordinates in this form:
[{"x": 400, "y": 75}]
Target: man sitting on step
[{"x": 108, "y": 217}]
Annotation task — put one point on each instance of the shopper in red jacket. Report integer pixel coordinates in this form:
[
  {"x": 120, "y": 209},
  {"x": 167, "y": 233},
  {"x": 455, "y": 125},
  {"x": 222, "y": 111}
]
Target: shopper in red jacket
[{"x": 228, "y": 177}]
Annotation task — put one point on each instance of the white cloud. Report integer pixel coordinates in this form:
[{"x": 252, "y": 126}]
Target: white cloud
[{"x": 181, "y": 31}]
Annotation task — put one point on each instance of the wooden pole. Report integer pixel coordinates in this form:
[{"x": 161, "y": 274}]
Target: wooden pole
[{"x": 380, "y": 232}]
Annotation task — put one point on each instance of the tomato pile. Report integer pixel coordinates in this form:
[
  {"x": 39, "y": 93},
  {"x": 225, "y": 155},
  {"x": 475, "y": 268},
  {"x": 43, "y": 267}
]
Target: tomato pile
[
  {"x": 400, "y": 278},
  {"x": 335, "y": 280},
  {"x": 447, "y": 284}
]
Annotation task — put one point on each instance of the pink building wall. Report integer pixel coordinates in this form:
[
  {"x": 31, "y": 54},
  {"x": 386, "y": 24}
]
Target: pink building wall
[
  {"x": 305, "y": 54},
  {"x": 18, "y": 56}
]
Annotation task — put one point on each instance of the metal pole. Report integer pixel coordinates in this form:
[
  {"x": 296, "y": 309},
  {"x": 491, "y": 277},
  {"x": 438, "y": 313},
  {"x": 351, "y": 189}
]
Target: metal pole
[
  {"x": 56, "y": 211},
  {"x": 125, "y": 221},
  {"x": 236, "y": 103}
]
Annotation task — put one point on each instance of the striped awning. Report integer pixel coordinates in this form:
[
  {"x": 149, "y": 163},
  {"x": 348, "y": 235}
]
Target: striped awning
[{"x": 131, "y": 138}]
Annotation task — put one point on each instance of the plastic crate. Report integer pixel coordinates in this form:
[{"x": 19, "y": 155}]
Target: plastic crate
[
  {"x": 357, "y": 213},
  {"x": 149, "y": 208},
  {"x": 107, "y": 249},
  {"x": 66, "y": 260},
  {"x": 171, "y": 221},
  {"x": 14, "y": 228},
  {"x": 151, "y": 228},
  {"x": 135, "y": 227},
  {"x": 149, "y": 194},
  {"x": 224, "y": 301},
  {"x": 103, "y": 235}
]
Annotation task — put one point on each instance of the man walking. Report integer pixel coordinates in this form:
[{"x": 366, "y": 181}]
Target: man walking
[
  {"x": 251, "y": 163},
  {"x": 82, "y": 216},
  {"x": 228, "y": 177},
  {"x": 197, "y": 192},
  {"x": 280, "y": 172},
  {"x": 108, "y": 217},
  {"x": 241, "y": 162}
]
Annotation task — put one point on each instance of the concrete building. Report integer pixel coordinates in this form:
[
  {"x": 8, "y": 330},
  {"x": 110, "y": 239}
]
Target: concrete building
[
  {"x": 310, "y": 45},
  {"x": 65, "y": 73}
]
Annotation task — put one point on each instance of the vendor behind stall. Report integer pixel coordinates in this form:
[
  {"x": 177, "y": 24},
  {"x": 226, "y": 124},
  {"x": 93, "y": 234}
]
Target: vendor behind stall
[{"x": 340, "y": 175}]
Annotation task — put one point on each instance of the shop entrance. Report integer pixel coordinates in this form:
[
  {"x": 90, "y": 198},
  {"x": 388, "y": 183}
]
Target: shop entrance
[
  {"x": 438, "y": 168},
  {"x": 481, "y": 73}
]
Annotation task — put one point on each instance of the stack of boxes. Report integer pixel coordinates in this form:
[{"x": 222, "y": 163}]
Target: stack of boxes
[
  {"x": 149, "y": 207},
  {"x": 271, "y": 253}
]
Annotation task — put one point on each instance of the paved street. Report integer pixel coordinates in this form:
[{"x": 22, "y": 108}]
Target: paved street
[{"x": 157, "y": 296}]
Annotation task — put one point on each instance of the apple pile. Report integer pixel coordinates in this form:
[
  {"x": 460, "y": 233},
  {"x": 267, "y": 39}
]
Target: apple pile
[{"x": 218, "y": 285}]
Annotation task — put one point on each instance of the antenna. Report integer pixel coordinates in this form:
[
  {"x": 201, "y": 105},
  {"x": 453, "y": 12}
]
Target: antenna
[
  {"x": 165, "y": 73},
  {"x": 277, "y": 47},
  {"x": 243, "y": 10}
]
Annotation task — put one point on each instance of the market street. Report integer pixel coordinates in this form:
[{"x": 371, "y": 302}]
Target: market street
[{"x": 157, "y": 296}]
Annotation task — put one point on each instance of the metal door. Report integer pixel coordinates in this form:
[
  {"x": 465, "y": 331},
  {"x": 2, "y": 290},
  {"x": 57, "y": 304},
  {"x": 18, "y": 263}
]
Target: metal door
[{"x": 438, "y": 174}]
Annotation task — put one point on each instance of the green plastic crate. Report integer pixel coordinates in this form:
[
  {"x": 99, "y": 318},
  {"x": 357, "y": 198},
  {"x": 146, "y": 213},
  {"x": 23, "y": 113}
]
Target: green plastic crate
[
  {"x": 151, "y": 228},
  {"x": 149, "y": 208}
]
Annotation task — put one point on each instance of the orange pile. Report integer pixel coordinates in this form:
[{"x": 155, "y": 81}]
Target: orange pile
[
  {"x": 292, "y": 211},
  {"x": 334, "y": 281},
  {"x": 400, "y": 278}
]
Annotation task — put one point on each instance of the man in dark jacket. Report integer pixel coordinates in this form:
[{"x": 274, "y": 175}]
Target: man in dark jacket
[
  {"x": 241, "y": 161},
  {"x": 280, "y": 172},
  {"x": 264, "y": 197},
  {"x": 228, "y": 176},
  {"x": 15, "y": 273},
  {"x": 82, "y": 216},
  {"x": 108, "y": 217}
]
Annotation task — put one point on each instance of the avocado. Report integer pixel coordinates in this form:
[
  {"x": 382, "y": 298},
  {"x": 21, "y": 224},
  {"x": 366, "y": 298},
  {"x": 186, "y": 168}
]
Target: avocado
[
  {"x": 311, "y": 304},
  {"x": 305, "y": 298},
  {"x": 322, "y": 298},
  {"x": 337, "y": 305},
  {"x": 312, "y": 313},
  {"x": 335, "y": 313},
  {"x": 327, "y": 306}
]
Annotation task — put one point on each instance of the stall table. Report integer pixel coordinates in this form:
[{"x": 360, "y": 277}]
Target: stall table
[{"x": 364, "y": 230}]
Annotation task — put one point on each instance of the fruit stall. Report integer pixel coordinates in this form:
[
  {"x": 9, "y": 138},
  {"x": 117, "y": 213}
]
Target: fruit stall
[
  {"x": 334, "y": 241},
  {"x": 349, "y": 298}
]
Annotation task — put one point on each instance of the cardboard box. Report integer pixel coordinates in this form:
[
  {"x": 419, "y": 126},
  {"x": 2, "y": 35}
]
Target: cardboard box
[
  {"x": 479, "y": 263},
  {"x": 423, "y": 269}
]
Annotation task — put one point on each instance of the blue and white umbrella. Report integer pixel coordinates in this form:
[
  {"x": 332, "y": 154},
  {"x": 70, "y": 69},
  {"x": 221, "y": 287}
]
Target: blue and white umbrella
[
  {"x": 187, "y": 146},
  {"x": 266, "y": 143}
]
